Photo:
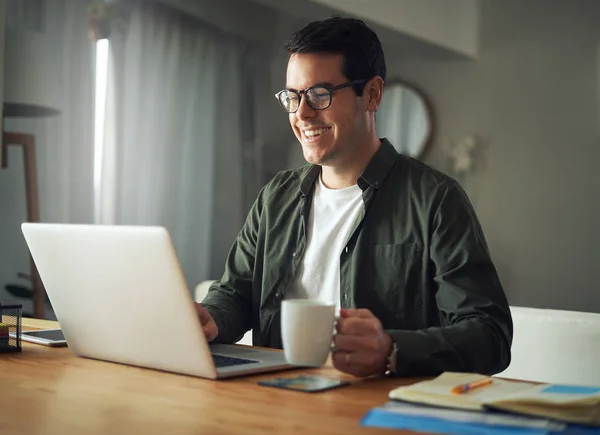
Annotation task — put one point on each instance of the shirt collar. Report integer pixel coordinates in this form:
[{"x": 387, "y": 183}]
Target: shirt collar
[{"x": 378, "y": 168}]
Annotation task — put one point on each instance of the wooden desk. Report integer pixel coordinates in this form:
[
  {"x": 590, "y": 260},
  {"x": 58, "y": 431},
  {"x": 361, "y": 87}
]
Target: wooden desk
[{"x": 49, "y": 391}]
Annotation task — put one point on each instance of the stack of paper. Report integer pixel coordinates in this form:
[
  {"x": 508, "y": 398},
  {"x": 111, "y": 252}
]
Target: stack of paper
[{"x": 565, "y": 403}]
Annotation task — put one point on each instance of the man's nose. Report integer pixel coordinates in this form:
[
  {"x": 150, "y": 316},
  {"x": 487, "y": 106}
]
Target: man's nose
[{"x": 304, "y": 110}]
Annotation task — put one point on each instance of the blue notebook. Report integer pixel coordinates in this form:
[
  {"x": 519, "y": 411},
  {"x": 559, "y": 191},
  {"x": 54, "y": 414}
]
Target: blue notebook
[{"x": 398, "y": 415}]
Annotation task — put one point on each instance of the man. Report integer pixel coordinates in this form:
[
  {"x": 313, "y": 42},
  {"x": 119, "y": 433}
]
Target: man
[{"x": 395, "y": 243}]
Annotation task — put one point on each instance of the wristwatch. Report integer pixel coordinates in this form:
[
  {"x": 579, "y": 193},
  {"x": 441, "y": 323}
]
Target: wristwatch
[{"x": 391, "y": 360}]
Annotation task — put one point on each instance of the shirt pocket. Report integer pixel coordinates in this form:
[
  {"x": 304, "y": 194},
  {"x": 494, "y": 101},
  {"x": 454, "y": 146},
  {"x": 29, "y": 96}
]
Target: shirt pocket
[{"x": 394, "y": 277}]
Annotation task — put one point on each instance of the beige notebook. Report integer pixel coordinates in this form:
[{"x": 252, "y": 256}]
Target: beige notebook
[{"x": 573, "y": 404}]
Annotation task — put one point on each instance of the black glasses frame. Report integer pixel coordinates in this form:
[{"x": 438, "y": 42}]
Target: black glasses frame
[{"x": 330, "y": 89}]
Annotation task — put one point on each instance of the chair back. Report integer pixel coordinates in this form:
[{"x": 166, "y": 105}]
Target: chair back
[{"x": 555, "y": 346}]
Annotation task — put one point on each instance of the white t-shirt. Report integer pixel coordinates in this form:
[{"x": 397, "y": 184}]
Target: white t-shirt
[{"x": 332, "y": 218}]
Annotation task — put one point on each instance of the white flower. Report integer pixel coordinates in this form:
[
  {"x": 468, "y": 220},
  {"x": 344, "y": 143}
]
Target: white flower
[
  {"x": 462, "y": 163},
  {"x": 462, "y": 154}
]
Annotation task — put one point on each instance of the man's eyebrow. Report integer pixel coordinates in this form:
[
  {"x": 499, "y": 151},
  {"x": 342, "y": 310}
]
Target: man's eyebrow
[{"x": 326, "y": 84}]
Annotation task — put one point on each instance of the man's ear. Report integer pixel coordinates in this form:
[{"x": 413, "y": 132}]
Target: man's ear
[{"x": 373, "y": 93}]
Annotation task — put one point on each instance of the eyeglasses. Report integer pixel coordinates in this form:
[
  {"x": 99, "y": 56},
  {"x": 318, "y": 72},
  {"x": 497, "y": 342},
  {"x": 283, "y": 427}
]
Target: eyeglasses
[{"x": 318, "y": 97}]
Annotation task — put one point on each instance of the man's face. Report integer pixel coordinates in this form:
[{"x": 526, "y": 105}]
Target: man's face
[{"x": 327, "y": 136}]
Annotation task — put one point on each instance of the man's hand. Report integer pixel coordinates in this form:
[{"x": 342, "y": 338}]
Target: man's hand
[
  {"x": 208, "y": 323},
  {"x": 361, "y": 345}
]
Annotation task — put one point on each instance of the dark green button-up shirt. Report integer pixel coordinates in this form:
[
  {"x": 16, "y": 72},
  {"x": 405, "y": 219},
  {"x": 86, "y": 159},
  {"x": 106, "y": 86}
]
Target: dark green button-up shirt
[{"x": 417, "y": 258}]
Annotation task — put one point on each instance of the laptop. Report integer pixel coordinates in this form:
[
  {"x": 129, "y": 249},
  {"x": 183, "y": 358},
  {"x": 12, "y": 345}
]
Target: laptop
[{"x": 119, "y": 295}]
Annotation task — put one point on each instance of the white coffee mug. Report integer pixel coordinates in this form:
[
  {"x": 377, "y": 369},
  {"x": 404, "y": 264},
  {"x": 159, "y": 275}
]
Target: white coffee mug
[{"x": 306, "y": 330}]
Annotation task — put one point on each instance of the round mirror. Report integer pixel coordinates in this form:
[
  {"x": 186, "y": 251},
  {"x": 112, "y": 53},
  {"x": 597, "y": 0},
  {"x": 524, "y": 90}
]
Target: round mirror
[{"x": 405, "y": 118}]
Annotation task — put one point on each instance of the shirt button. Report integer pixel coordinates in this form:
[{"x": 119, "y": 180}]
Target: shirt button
[
  {"x": 346, "y": 250},
  {"x": 295, "y": 255},
  {"x": 278, "y": 296}
]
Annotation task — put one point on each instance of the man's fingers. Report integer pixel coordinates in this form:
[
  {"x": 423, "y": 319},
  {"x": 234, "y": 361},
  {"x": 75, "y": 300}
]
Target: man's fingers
[
  {"x": 349, "y": 343},
  {"x": 355, "y": 363},
  {"x": 363, "y": 313},
  {"x": 357, "y": 326},
  {"x": 210, "y": 331},
  {"x": 203, "y": 314},
  {"x": 360, "y": 312},
  {"x": 209, "y": 327}
]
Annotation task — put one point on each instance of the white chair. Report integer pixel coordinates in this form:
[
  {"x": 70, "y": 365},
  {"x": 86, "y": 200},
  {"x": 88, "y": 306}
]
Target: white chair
[
  {"x": 200, "y": 292},
  {"x": 555, "y": 346}
]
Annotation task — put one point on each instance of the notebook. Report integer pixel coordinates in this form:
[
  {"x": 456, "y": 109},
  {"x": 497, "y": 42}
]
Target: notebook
[
  {"x": 422, "y": 418},
  {"x": 573, "y": 404}
]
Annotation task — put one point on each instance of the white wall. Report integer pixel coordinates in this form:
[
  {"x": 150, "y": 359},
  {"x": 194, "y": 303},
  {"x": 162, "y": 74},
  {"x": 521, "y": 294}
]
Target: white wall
[
  {"x": 453, "y": 24},
  {"x": 238, "y": 17},
  {"x": 13, "y": 253},
  {"x": 2, "y": 21},
  {"x": 598, "y": 78},
  {"x": 532, "y": 96}
]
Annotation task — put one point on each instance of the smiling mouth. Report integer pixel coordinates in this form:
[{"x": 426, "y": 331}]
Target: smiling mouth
[{"x": 315, "y": 133}]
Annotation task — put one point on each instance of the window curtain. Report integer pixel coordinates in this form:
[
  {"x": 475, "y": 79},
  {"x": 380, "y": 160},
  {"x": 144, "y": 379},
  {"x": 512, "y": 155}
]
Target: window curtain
[
  {"x": 64, "y": 143},
  {"x": 176, "y": 125},
  {"x": 65, "y": 154}
]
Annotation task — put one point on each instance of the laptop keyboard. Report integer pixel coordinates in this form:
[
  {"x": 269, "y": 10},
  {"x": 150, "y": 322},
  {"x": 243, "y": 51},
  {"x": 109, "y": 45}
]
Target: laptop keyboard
[{"x": 228, "y": 361}]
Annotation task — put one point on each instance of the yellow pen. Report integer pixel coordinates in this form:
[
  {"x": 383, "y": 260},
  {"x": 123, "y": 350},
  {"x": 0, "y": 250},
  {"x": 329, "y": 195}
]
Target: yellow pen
[{"x": 460, "y": 389}]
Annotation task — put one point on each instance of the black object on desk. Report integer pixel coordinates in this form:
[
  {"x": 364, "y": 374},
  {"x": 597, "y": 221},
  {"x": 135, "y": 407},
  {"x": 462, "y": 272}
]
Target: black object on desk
[{"x": 10, "y": 328}]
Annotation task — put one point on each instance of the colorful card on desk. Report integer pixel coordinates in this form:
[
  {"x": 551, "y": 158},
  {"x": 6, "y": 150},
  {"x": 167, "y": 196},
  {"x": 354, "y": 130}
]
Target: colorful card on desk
[{"x": 307, "y": 384}]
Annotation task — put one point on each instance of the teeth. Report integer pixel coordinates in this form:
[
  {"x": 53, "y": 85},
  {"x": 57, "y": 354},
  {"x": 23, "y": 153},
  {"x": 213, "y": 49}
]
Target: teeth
[{"x": 313, "y": 133}]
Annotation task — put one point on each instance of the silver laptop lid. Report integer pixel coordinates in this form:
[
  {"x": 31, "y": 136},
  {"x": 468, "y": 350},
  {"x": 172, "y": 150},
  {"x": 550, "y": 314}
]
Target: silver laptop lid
[{"x": 119, "y": 295}]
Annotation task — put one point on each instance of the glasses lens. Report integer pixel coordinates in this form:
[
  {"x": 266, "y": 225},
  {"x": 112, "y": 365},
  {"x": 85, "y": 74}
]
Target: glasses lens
[
  {"x": 319, "y": 98},
  {"x": 289, "y": 100}
]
